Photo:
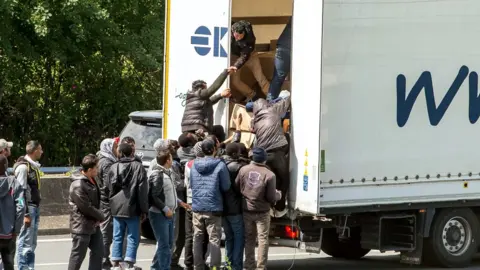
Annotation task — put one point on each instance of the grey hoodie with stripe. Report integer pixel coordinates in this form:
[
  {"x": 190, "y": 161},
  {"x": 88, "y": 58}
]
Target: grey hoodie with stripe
[{"x": 12, "y": 207}]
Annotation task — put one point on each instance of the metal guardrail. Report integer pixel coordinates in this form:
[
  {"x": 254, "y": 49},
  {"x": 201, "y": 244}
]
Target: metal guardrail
[{"x": 52, "y": 170}]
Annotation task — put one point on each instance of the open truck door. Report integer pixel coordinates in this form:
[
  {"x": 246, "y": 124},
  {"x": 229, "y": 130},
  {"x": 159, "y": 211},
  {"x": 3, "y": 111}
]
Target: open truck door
[
  {"x": 196, "y": 48},
  {"x": 306, "y": 158}
]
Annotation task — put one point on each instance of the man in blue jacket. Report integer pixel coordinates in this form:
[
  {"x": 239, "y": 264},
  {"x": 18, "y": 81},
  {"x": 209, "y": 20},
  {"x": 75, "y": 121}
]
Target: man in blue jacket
[{"x": 209, "y": 180}]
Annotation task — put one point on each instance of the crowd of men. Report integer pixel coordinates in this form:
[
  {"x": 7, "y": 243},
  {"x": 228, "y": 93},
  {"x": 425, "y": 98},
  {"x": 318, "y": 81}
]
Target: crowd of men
[{"x": 195, "y": 186}]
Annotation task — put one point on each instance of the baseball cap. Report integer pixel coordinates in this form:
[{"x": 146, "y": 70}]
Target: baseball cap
[
  {"x": 4, "y": 144},
  {"x": 208, "y": 146}
]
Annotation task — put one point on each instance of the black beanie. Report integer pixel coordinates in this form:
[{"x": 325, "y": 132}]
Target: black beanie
[{"x": 259, "y": 155}]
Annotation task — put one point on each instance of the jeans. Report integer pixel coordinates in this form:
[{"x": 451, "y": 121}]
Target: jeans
[
  {"x": 280, "y": 72},
  {"x": 27, "y": 241},
  {"x": 213, "y": 225},
  {"x": 132, "y": 226},
  {"x": 80, "y": 244},
  {"x": 234, "y": 240},
  {"x": 163, "y": 231},
  {"x": 189, "y": 241},
  {"x": 257, "y": 226},
  {"x": 7, "y": 251}
]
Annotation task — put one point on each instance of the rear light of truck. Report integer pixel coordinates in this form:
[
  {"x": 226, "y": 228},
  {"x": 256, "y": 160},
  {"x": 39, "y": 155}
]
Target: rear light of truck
[{"x": 291, "y": 232}]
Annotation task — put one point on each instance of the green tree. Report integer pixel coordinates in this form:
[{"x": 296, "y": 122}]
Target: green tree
[{"x": 71, "y": 71}]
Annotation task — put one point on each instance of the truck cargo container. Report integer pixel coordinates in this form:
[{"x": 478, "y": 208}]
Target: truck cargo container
[{"x": 384, "y": 112}]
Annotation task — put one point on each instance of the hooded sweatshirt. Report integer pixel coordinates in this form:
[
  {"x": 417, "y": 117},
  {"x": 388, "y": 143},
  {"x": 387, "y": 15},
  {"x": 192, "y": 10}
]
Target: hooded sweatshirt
[
  {"x": 12, "y": 207},
  {"x": 209, "y": 180}
]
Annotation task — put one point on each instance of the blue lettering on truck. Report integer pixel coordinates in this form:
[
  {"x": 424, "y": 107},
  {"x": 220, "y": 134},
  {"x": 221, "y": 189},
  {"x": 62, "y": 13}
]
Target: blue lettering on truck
[
  {"x": 435, "y": 114},
  {"x": 201, "y": 41}
]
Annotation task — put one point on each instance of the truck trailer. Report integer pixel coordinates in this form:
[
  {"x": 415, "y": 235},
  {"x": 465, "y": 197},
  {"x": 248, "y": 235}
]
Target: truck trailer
[{"x": 384, "y": 111}]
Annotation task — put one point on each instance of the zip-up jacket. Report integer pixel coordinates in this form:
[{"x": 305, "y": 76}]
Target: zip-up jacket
[{"x": 12, "y": 207}]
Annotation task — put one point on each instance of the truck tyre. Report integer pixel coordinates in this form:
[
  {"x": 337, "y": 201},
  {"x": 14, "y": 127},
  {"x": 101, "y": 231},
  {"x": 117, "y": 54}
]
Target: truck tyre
[
  {"x": 453, "y": 238},
  {"x": 347, "y": 249},
  {"x": 146, "y": 230}
]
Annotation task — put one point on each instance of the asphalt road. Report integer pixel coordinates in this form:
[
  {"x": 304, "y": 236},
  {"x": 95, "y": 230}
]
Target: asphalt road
[{"x": 53, "y": 253}]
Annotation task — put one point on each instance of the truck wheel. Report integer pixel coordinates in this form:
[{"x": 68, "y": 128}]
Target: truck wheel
[
  {"x": 347, "y": 249},
  {"x": 146, "y": 230},
  {"x": 453, "y": 238}
]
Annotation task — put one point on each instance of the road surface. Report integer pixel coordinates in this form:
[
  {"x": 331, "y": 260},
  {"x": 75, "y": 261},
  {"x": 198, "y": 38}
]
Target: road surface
[{"x": 53, "y": 253}]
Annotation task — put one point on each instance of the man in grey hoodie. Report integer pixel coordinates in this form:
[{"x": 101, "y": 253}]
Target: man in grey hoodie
[{"x": 12, "y": 209}]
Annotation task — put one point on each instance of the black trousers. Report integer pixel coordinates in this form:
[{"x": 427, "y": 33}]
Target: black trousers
[
  {"x": 277, "y": 160},
  {"x": 179, "y": 239},
  {"x": 80, "y": 244},
  {"x": 7, "y": 250},
  {"x": 189, "y": 241}
]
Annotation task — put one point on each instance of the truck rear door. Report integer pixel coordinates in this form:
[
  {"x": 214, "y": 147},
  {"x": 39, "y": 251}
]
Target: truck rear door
[
  {"x": 305, "y": 154},
  {"x": 196, "y": 48}
]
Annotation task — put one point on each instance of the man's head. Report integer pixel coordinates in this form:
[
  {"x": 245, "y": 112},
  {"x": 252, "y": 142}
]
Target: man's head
[
  {"x": 131, "y": 142},
  {"x": 239, "y": 29},
  {"x": 174, "y": 145},
  {"x": 186, "y": 140},
  {"x": 34, "y": 150},
  {"x": 213, "y": 138},
  {"x": 219, "y": 132},
  {"x": 5, "y": 147},
  {"x": 209, "y": 147},
  {"x": 3, "y": 165},
  {"x": 162, "y": 145},
  {"x": 199, "y": 85},
  {"x": 125, "y": 150},
  {"x": 164, "y": 159},
  {"x": 259, "y": 155},
  {"x": 243, "y": 150},
  {"x": 90, "y": 165},
  {"x": 233, "y": 150}
]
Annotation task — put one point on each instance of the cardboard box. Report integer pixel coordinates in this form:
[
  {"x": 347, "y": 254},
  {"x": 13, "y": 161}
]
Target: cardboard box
[{"x": 247, "y": 117}]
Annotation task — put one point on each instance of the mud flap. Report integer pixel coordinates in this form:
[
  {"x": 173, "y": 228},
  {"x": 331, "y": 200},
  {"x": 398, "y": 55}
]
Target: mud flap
[
  {"x": 313, "y": 247},
  {"x": 414, "y": 257}
]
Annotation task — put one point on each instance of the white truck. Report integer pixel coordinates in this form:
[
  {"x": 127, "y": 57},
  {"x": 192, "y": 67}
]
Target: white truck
[{"x": 384, "y": 109}]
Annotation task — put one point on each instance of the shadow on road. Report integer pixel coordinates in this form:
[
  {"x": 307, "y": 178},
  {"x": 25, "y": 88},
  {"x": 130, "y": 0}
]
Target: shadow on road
[{"x": 371, "y": 262}]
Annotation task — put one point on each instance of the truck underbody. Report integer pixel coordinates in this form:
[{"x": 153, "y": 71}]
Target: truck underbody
[{"x": 440, "y": 234}]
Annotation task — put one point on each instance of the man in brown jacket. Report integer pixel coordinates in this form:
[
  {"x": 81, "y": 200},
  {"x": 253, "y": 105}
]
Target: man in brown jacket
[{"x": 257, "y": 184}]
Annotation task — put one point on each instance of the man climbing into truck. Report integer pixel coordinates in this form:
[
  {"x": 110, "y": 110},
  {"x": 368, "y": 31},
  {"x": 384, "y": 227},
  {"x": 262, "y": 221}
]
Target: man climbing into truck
[
  {"x": 198, "y": 114},
  {"x": 243, "y": 53},
  {"x": 267, "y": 126}
]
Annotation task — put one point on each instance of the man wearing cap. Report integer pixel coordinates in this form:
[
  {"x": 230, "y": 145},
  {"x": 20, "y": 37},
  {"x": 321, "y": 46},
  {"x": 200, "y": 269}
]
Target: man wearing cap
[
  {"x": 209, "y": 179},
  {"x": 257, "y": 184},
  {"x": 27, "y": 171}
]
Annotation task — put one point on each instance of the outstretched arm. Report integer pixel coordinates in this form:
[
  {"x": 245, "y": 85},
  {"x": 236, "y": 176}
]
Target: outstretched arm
[{"x": 210, "y": 91}]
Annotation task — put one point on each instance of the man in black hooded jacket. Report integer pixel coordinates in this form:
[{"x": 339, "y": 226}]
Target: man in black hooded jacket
[{"x": 128, "y": 185}]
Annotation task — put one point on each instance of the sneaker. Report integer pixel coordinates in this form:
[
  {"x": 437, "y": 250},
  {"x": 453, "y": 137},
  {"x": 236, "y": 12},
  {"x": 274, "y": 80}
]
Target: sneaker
[{"x": 116, "y": 268}]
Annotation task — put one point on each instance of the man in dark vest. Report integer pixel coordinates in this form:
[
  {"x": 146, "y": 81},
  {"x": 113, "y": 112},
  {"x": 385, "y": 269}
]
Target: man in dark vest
[
  {"x": 198, "y": 112},
  {"x": 27, "y": 171}
]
